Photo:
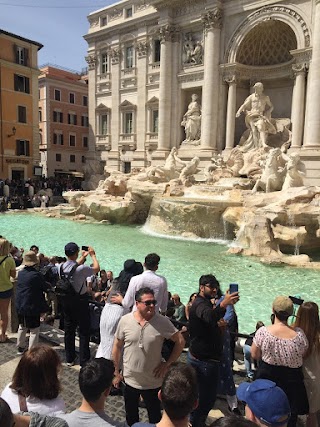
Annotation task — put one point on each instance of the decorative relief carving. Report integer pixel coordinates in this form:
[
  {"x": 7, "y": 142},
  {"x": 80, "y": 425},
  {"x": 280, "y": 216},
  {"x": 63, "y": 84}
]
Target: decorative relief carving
[
  {"x": 169, "y": 33},
  {"x": 212, "y": 19},
  {"x": 142, "y": 6},
  {"x": 114, "y": 54},
  {"x": 94, "y": 22},
  {"x": 266, "y": 13},
  {"x": 142, "y": 48},
  {"x": 115, "y": 14},
  {"x": 91, "y": 61},
  {"x": 300, "y": 67},
  {"x": 192, "y": 77},
  {"x": 188, "y": 7},
  {"x": 192, "y": 50},
  {"x": 129, "y": 82}
]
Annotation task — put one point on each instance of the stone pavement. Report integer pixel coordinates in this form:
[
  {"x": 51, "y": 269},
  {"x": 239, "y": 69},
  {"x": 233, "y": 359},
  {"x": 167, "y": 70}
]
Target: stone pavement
[{"x": 69, "y": 376}]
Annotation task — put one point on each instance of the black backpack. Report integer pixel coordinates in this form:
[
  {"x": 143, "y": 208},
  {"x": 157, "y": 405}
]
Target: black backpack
[
  {"x": 64, "y": 286},
  {"x": 50, "y": 277}
]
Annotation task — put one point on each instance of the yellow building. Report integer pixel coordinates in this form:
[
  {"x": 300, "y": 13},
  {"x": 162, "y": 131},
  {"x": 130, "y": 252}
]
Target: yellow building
[{"x": 19, "y": 124}]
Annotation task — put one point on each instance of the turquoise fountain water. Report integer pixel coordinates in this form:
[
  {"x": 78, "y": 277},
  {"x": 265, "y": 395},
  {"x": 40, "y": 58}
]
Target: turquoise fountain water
[{"x": 182, "y": 261}]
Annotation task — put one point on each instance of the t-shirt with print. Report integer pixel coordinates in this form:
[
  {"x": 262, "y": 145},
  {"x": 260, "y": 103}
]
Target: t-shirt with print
[{"x": 142, "y": 349}]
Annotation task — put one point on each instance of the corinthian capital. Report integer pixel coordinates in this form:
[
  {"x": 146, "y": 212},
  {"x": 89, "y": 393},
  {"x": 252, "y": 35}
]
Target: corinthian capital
[
  {"x": 91, "y": 61},
  {"x": 142, "y": 48},
  {"x": 212, "y": 19},
  {"x": 168, "y": 33},
  {"x": 114, "y": 53}
]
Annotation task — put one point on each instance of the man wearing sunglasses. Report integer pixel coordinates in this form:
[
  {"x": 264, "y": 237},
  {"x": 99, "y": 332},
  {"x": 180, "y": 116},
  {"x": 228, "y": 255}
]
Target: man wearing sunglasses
[{"x": 140, "y": 334}]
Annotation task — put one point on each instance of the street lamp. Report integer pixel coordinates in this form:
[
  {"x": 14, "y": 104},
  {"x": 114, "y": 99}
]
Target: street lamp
[{"x": 14, "y": 130}]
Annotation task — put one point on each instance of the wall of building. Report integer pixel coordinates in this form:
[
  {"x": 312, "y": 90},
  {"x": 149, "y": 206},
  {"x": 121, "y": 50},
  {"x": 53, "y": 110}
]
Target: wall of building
[{"x": 13, "y": 126}]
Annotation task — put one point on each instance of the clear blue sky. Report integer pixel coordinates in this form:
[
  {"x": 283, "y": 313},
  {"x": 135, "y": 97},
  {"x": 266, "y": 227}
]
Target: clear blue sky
[{"x": 58, "y": 24}]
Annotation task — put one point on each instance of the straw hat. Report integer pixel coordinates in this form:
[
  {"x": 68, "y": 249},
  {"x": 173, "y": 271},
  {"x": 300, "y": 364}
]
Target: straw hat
[
  {"x": 283, "y": 304},
  {"x": 30, "y": 259}
]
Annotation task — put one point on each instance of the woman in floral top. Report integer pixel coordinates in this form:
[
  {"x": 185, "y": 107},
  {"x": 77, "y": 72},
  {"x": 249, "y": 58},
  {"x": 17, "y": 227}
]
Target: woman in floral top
[{"x": 281, "y": 349}]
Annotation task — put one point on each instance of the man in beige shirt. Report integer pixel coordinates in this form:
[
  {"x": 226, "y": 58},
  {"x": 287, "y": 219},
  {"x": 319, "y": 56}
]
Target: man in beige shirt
[{"x": 140, "y": 334}]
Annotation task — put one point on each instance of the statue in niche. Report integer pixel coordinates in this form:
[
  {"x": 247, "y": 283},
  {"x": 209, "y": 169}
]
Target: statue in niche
[
  {"x": 197, "y": 54},
  {"x": 192, "y": 121},
  {"x": 188, "y": 48},
  {"x": 258, "y": 109}
]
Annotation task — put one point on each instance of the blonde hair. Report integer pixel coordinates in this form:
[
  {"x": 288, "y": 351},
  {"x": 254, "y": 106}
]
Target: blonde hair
[
  {"x": 5, "y": 247},
  {"x": 308, "y": 321}
]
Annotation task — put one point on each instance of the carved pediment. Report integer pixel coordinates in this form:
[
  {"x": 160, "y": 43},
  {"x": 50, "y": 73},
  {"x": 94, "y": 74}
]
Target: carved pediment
[
  {"x": 153, "y": 100},
  {"x": 102, "y": 107}
]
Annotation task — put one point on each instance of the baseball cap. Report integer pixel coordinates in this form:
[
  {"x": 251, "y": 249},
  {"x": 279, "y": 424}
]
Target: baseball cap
[
  {"x": 71, "y": 248},
  {"x": 283, "y": 304},
  {"x": 268, "y": 402}
]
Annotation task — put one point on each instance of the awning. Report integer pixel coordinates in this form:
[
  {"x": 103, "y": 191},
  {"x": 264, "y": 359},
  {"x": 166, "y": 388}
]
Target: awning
[{"x": 75, "y": 174}]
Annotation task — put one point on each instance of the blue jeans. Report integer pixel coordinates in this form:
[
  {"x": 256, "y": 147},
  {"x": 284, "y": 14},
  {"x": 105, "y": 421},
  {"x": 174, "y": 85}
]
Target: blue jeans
[
  {"x": 208, "y": 377},
  {"x": 248, "y": 360}
]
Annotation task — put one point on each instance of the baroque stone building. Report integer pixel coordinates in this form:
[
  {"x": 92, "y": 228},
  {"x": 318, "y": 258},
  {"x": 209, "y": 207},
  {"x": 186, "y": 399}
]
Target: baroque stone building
[{"x": 147, "y": 58}]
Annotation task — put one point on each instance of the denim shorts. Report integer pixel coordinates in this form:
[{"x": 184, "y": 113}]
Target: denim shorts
[{"x": 6, "y": 294}]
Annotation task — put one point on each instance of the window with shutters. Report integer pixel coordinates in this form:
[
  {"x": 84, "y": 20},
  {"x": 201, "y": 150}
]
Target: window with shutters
[
  {"x": 21, "y": 83},
  {"x": 71, "y": 98},
  {"x": 22, "y": 147},
  {"x": 85, "y": 141},
  {"x": 22, "y": 114},
  {"x": 72, "y": 140},
  {"x": 57, "y": 95},
  {"x": 58, "y": 138},
  {"x": 58, "y": 157},
  {"x": 85, "y": 101},
  {"x": 85, "y": 121},
  {"x": 57, "y": 116},
  {"x": 72, "y": 158},
  {"x": 83, "y": 159},
  {"x": 72, "y": 119},
  {"x": 21, "y": 54}
]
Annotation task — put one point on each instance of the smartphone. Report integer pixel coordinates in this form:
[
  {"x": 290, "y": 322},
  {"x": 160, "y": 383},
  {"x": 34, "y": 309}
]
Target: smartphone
[
  {"x": 85, "y": 248},
  {"x": 295, "y": 300},
  {"x": 233, "y": 287}
]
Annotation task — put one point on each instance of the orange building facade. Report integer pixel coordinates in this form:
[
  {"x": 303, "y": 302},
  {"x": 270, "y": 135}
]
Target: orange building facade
[
  {"x": 63, "y": 121},
  {"x": 19, "y": 130}
]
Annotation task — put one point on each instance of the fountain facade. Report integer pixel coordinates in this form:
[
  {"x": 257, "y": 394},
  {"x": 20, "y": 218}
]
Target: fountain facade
[{"x": 213, "y": 54}]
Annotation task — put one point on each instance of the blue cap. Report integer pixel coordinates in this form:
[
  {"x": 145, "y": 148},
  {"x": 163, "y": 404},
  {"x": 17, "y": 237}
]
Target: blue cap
[
  {"x": 268, "y": 402},
  {"x": 71, "y": 248}
]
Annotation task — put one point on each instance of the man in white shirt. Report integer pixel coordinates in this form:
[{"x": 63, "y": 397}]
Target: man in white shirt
[{"x": 148, "y": 279}]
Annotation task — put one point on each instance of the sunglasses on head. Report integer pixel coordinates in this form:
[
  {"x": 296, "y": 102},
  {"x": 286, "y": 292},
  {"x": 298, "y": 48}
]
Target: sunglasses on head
[{"x": 149, "y": 302}]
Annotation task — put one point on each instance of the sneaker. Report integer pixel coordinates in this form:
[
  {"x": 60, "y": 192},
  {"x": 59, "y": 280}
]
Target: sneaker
[
  {"x": 234, "y": 411},
  {"x": 70, "y": 364},
  {"x": 20, "y": 351}
]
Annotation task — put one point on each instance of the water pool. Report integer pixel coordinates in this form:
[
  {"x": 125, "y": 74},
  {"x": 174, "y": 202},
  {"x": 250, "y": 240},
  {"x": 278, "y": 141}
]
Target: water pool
[{"x": 182, "y": 261}]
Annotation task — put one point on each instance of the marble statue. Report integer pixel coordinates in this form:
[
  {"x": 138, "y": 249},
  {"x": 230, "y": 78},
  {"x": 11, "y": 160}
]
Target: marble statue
[
  {"x": 295, "y": 171},
  {"x": 192, "y": 121},
  {"x": 257, "y": 108},
  {"x": 188, "y": 48},
  {"x": 272, "y": 175},
  {"x": 170, "y": 170},
  {"x": 188, "y": 172},
  {"x": 197, "y": 54}
]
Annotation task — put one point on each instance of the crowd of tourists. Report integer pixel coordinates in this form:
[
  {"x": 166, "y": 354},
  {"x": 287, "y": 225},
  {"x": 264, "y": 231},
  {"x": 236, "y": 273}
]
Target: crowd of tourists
[
  {"x": 24, "y": 194},
  {"x": 142, "y": 331}
]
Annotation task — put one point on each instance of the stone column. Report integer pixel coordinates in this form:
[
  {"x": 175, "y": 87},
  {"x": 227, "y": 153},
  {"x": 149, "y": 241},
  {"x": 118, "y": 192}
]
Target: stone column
[
  {"x": 91, "y": 61},
  {"x": 141, "y": 125},
  {"x": 168, "y": 33},
  {"x": 231, "y": 111},
  {"x": 212, "y": 22},
  {"x": 298, "y": 104},
  {"x": 113, "y": 155},
  {"x": 312, "y": 128}
]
